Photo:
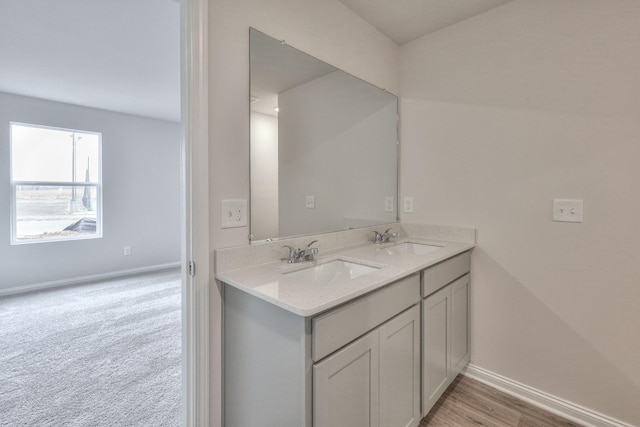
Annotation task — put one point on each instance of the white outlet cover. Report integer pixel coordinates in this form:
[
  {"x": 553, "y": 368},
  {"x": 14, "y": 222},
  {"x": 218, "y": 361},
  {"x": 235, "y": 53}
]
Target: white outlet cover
[
  {"x": 310, "y": 202},
  {"x": 567, "y": 210},
  {"x": 233, "y": 213},
  {"x": 408, "y": 205},
  {"x": 388, "y": 204}
]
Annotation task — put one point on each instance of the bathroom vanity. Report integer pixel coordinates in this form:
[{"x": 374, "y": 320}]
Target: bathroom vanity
[
  {"x": 309, "y": 344},
  {"x": 366, "y": 334}
]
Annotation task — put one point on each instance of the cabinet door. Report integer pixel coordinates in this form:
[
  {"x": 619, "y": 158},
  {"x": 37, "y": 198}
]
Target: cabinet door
[
  {"x": 459, "y": 324},
  {"x": 436, "y": 373},
  {"x": 346, "y": 386},
  {"x": 400, "y": 370}
]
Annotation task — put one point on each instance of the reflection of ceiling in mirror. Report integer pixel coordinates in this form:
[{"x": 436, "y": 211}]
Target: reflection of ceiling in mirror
[{"x": 277, "y": 67}]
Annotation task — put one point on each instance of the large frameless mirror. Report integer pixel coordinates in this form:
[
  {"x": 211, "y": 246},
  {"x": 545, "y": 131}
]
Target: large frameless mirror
[{"x": 323, "y": 145}]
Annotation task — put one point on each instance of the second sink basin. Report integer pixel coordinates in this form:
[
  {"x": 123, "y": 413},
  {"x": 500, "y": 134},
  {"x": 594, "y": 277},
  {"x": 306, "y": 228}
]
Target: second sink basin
[{"x": 332, "y": 272}]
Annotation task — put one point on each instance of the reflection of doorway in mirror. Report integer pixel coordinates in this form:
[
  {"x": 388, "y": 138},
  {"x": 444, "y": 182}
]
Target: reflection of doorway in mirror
[{"x": 264, "y": 176}]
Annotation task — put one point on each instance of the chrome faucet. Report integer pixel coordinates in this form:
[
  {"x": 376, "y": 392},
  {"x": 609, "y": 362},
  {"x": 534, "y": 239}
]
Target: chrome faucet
[
  {"x": 306, "y": 254},
  {"x": 380, "y": 238}
]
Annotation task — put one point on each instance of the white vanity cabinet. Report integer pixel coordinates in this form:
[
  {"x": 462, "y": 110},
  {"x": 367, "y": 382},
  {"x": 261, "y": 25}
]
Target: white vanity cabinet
[
  {"x": 445, "y": 326},
  {"x": 400, "y": 370},
  {"x": 346, "y": 386},
  {"x": 374, "y": 381},
  {"x": 355, "y": 365},
  {"x": 381, "y": 359}
]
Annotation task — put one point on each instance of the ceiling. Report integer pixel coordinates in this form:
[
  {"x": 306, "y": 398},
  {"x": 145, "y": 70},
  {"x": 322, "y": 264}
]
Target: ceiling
[
  {"x": 406, "y": 20},
  {"x": 123, "y": 55},
  {"x": 118, "y": 55}
]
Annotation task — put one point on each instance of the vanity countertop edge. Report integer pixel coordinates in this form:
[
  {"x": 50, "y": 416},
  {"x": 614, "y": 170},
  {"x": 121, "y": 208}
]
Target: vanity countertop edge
[{"x": 267, "y": 281}]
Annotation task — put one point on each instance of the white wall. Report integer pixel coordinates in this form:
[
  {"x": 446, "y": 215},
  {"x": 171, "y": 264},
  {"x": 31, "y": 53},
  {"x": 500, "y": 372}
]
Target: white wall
[
  {"x": 337, "y": 142},
  {"x": 141, "y": 195},
  {"x": 264, "y": 176},
  {"x": 502, "y": 113},
  {"x": 325, "y": 29}
]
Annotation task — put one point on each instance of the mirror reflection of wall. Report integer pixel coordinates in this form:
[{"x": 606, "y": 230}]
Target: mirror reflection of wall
[
  {"x": 326, "y": 160},
  {"x": 264, "y": 175}
]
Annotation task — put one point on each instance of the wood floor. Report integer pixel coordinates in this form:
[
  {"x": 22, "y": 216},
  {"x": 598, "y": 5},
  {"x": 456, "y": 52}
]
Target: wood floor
[{"x": 470, "y": 403}]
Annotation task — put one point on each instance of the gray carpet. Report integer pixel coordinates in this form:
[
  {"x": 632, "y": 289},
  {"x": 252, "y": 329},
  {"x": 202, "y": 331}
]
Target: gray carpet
[{"x": 100, "y": 354}]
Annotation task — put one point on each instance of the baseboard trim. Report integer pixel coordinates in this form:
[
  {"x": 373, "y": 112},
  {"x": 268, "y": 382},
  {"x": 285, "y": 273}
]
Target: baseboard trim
[
  {"x": 91, "y": 278},
  {"x": 548, "y": 402}
]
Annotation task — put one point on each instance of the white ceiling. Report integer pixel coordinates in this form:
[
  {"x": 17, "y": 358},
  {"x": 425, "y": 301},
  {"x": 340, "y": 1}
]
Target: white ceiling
[
  {"x": 118, "y": 55},
  {"x": 124, "y": 55},
  {"x": 406, "y": 20}
]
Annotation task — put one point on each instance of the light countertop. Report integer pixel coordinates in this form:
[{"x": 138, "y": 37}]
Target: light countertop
[{"x": 268, "y": 282}]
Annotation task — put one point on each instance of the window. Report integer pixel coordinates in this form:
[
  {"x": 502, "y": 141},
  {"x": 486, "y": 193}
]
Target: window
[{"x": 55, "y": 184}]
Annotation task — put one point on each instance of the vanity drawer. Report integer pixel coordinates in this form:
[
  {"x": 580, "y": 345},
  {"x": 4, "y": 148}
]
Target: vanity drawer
[
  {"x": 447, "y": 271},
  {"x": 338, "y": 327}
]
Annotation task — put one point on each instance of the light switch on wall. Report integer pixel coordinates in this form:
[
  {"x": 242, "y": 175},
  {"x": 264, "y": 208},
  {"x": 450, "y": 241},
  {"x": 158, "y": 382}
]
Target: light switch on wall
[
  {"x": 567, "y": 210},
  {"x": 233, "y": 213}
]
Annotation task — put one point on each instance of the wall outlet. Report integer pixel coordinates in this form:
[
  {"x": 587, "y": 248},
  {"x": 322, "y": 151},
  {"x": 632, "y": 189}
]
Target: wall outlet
[
  {"x": 310, "y": 202},
  {"x": 127, "y": 250},
  {"x": 567, "y": 210},
  {"x": 408, "y": 205},
  {"x": 233, "y": 213},
  {"x": 388, "y": 204}
]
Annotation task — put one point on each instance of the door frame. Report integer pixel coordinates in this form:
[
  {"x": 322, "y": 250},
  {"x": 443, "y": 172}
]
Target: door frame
[{"x": 195, "y": 211}]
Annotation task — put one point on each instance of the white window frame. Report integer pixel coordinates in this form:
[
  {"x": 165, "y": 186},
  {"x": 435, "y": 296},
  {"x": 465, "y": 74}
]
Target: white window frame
[{"x": 15, "y": 183}]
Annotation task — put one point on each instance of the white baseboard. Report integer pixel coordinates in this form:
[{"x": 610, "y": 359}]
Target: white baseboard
[
  {"x": 94, "y": 277},
  {"x": 548, "y": 402}
]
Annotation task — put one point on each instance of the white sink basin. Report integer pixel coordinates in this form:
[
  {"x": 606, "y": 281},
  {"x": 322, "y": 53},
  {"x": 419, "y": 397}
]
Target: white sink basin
[
  {"x": 332, "y": 272},
  {"x": 412, "y": 248}
]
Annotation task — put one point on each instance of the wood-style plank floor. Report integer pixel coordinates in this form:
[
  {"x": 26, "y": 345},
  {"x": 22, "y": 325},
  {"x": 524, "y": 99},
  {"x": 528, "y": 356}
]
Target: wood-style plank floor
[{"x": 470, "y": 403}]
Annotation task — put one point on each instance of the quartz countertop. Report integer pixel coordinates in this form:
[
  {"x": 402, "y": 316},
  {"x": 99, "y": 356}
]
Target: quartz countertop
[{"x": 269, "y": 282}]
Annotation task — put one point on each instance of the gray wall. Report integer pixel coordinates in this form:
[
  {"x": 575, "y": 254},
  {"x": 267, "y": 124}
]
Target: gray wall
[{"x": 141, "y": 196}]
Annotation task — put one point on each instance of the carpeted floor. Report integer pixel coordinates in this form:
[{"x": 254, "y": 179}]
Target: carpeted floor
[{"x": 100, "y": 354}]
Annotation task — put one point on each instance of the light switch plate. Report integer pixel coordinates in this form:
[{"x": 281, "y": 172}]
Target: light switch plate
[
  {"x": 233, "y": 213},
  {"x": 567, "y": 210}
]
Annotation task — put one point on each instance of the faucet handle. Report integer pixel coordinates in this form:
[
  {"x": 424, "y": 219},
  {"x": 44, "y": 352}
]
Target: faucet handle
[
  {"x": 310, "y": 253},
  {"x": 383, "y": 237},
  {"x": 292, "y": 254},
  {"x": 386, "y": 237}
]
